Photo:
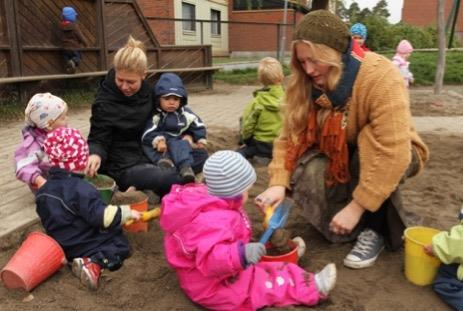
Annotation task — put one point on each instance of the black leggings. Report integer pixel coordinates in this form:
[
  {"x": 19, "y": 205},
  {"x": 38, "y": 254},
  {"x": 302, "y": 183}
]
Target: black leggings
[{"x": 147, "y": 176}]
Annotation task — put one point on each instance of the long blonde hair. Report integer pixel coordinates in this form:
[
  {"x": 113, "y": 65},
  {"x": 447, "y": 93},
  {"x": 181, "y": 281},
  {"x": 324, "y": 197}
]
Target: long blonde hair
[
  {"x": 298, "y": 99},
  {"x": 131, "y": 57}
]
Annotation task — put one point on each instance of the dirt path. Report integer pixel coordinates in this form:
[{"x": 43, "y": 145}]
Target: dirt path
[{"x": 146, "y": 282}]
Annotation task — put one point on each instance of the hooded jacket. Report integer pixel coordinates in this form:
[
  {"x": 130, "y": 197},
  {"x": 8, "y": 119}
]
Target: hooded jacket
[
  {"x": 30, "y": 160},
  {"x": 117, "y": 124},
  {"x": 167, "y": 125},
  {"x": 73, "y": 213},
  {"x": 448, "y": 247},
  {"x": 202, "y": 241},
  {"x": 262, "y": 119},
  {"x": 71, "y": 36}
]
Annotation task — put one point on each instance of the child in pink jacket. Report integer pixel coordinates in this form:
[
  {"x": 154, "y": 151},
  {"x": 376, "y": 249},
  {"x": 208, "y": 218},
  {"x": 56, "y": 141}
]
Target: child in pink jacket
[
  {"x": 400, "y": 60},
  {"x": 44, "y": 113},
  {"x": 207, "y": 242}
]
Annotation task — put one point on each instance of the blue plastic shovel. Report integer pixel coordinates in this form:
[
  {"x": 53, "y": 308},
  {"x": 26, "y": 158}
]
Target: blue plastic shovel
[{"x": 278, "y": 220}]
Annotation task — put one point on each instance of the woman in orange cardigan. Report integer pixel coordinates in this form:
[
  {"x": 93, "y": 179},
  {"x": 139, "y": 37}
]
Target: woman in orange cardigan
[{"x": 347, "y": 140}]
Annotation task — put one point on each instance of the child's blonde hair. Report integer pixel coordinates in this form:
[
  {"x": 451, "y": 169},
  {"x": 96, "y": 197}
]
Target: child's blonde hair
[
  {"x": 131, "y": 57},
  {"x": 270, "y": 71},
  {"x": 298, "y": 92}
]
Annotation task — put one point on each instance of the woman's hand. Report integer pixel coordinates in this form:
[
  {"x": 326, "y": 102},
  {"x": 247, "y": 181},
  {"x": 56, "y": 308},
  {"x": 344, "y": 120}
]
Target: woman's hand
[
  {"x": 93, "y": 165},
  {"x": 347, "y": 218},
  {"x": 272, "y": 196},
  {"x": 135, "y": 215}
]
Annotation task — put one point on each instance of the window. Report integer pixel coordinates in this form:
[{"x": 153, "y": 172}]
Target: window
[
  {"x": 188, "y": 12},
  {"x": 215, "y": 24}
]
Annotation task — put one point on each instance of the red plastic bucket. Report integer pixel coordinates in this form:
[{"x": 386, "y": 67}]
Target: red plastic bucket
[
  {"x": 38, "y": 257},
  {"x": 138, "y": 226},
  {"x": 288, "y": 257}
]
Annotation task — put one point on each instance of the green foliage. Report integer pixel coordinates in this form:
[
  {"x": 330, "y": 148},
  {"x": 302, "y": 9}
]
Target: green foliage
[
  {"x": 422, "y": 64},
  {"x": 243, "y": 76},
  {"x": 384, "y": 36}
]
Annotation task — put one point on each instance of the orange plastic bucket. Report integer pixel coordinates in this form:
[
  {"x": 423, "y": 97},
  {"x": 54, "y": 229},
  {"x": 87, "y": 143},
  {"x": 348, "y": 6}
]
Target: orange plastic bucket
[
  {"x": 288, "y": 257},
  {"x": 38, "y": 257},
  {"x": 138, "y": 226}
]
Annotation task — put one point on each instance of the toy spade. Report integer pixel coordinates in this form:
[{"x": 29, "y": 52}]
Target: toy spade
[
  {"x": 146, "y": 216},
  {"x": 278, "y": 220}
]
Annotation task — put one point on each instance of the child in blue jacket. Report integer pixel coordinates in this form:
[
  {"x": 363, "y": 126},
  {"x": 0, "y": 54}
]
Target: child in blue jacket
[
  {"x": 175, "y": 136},
  {"x": 73, "y": 213}
]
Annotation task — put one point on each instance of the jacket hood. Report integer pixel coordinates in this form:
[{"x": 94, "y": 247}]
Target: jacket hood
[
  {"x": 170, "y": 83},
  {"x": 185, "y": 203},
  {"x": 270, "y": 97}
]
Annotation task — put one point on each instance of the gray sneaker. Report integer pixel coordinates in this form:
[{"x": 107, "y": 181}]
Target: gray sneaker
[{"x": 367, "y": 248}]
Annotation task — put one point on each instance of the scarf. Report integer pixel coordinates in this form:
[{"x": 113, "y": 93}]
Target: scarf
[{"x": 331, "y": 140}]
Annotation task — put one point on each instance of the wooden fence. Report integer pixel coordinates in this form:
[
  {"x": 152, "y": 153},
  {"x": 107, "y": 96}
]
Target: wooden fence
[{"x": 30, "y": 46}]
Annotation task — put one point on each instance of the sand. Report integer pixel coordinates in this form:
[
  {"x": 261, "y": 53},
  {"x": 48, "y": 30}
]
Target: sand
[{"x": 146, "y": 282}]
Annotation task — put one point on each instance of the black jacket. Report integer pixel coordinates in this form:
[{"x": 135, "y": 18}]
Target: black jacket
[
  {"x": 72, "y": 211},
  {"x": 117, "y": 124}
]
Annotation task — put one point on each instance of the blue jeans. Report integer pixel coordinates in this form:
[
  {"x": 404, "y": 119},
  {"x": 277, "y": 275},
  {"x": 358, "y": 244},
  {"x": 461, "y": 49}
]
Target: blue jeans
[
  {"x": 449, "y": 287},
  {"x": 75, "y": 56}
]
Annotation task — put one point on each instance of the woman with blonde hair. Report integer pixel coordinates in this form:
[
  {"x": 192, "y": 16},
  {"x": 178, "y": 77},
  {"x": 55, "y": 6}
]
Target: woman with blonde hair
[
  {"x": 347, "y": 140},
  {"x": 122, "y": 107}
]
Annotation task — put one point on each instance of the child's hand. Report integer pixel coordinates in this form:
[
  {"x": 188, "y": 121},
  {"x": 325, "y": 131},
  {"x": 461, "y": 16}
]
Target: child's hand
[
  {"x": 135, "y": 215},
  {"x": 200, "y": 146},
  {"x": 189, "y": 139},
  {"x": 428, "y": 250},
  {"x": 39, "y": 181},
  {"x": 162, "y": 146}
]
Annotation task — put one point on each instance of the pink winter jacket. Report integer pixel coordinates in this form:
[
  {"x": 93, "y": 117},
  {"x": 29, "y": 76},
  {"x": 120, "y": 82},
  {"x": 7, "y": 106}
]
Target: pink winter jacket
[
  {"x": 30, "y": 159},
  {"x": 203, "y": 242}
]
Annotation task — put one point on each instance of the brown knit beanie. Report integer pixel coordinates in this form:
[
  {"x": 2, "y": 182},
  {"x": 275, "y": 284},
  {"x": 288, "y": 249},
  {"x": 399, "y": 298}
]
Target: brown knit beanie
[{"x": 323, "y": 27}]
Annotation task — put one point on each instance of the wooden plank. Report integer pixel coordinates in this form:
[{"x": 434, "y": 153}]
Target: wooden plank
[
  {"x": 101, "y": 35},
  {"x": 15, "y": 51},
  {"x": 24, "y": 217},
  {"x": 98, "y": 73},
  {"x": 3, "y": 24}
]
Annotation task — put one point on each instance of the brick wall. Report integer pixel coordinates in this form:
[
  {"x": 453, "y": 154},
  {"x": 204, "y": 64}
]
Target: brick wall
[
  {"x": 163, "y": 30},
  {"x": 424, "y": 13},
  {"x": 253, "y": 38}
]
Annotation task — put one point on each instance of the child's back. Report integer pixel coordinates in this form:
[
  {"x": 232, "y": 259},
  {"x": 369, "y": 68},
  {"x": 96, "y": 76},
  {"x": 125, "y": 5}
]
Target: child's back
[
  {"x": 73, "y": 213},
  {"x": 262, "y": 120},
  {"x": 207, "y": 242}
]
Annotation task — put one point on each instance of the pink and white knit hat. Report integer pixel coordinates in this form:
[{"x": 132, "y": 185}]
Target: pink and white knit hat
[
  {"x": 404, "y": 47},
  {"x": 67, "y": 149},
  {"x": 43, "y": 109}
]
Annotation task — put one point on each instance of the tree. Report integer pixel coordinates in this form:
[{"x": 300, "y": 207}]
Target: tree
[
  {"x": 363, "y": 14},
  {"x": 380, "y": 9},
  {"x": 353, "y": 12},
  {"x": 439, "y": 79},
  {"x": 341, "y": 10}
]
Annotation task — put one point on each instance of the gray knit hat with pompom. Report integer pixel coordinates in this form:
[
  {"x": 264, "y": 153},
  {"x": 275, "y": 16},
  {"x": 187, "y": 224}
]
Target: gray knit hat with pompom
[
  {"x": 323, "y": 27},
  {"x": 228, "y": 174}
]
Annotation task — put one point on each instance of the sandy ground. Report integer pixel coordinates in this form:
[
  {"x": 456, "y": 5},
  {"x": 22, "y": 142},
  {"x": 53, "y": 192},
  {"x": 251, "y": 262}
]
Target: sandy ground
[{"x": 146, "y": 282}]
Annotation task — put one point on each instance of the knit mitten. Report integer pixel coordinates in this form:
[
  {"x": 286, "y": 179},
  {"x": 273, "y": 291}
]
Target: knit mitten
[{"x": 253, "y": 252}]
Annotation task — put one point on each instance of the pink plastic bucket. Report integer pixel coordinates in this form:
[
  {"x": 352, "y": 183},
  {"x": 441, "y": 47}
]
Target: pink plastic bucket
[
  {"x": 38, "y": 257},
  {"x": 288, "y": 257}
]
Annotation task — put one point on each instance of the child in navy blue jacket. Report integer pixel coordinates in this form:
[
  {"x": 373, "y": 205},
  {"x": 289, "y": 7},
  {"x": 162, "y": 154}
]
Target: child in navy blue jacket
[
  {"x": 73, "y": 213},
  {"x": 175, "y": 136}
]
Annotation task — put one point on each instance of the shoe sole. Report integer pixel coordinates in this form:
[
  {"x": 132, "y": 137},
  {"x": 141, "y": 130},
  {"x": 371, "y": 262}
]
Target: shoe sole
[
  {"x": 86, "y": 280},
  {"x": 76, "y": 268},
  {"x": 362, "y": 264}
]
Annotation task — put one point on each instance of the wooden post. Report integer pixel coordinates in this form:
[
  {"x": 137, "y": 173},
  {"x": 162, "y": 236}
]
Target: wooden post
[
  {"x": 439, "y": 78},
  {"x": 102, "y": 34},
  {"x": 15, "y": 51}
]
